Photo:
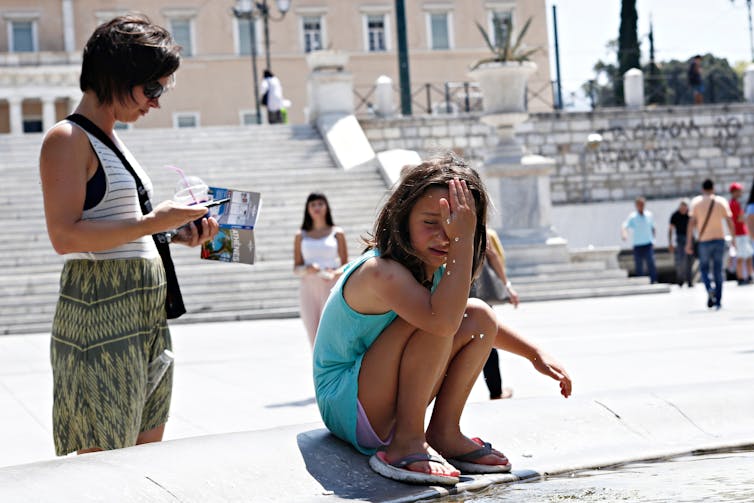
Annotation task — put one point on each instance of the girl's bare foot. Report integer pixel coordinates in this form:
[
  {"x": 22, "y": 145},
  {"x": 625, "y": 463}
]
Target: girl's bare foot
[
  {"x": 451, "y": 446},
  {"x": 394, "y": 453}
]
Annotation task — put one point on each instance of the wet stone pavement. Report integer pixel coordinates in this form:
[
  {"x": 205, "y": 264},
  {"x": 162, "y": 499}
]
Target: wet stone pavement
[{"x": 718, "y": 477}]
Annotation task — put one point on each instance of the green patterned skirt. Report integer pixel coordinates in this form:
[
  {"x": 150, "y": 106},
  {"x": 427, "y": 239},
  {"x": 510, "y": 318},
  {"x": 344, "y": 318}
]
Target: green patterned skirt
[{"x": 109, "y": 324}]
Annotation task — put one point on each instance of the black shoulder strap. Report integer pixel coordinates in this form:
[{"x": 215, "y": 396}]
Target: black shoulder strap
[
  {"x": 91, "y": 128},
  {"x": 709, "y": 212},
  {"x": 174, "y": 301}
]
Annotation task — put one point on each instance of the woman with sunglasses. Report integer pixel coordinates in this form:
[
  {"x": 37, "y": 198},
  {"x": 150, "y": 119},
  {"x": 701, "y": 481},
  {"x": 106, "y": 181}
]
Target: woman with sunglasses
[{"x": 110, "y": 321}]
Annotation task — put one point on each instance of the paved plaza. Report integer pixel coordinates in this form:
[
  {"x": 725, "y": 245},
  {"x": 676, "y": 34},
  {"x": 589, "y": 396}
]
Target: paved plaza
[{"x": 637, "y": 358}]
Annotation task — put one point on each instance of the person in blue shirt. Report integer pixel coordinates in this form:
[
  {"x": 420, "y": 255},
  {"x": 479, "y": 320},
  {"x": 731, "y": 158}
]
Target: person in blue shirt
[{"x": 642, "y": 226}]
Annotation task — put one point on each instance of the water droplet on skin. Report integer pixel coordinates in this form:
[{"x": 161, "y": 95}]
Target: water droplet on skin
[
  {"x": 465, "y": 315},
  {"x": 472, "y": 336},
  {"x": 454, "y": 260},
  {"x": 456, "y": 239},
  {"x": 481, "y": 336},
  {"x": 448, "y": 273}
]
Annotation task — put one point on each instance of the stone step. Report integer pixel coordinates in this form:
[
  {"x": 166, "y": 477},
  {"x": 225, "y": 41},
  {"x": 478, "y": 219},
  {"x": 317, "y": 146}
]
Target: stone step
[
  {"x": 230, "y": 309},
  {"x": 586, "y": 292},
  {"x": 42, "y": 326},
  {"x": 236, "y": 157},
  {"x": 20, "y": 290},
  {"x": 568, "y": 275},
  {"x": 584, "y": 282},
  {"x": 537, "y": 269}
]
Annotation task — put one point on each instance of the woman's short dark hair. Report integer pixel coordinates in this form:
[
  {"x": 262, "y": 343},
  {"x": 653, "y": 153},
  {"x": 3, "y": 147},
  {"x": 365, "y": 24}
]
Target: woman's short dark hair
[
  {"x": 307, "y": 224},
  {"x": 125, "y": 52},
  {"x": 391, "y": 230}
]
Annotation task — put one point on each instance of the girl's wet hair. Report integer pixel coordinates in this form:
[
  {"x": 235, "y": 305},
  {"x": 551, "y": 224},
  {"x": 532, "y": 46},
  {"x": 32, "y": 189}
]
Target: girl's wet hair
[
  {"x": 307, "y": 224},
  {"x": 125, "y": 52},
  {"x": 391, "y": 230}
]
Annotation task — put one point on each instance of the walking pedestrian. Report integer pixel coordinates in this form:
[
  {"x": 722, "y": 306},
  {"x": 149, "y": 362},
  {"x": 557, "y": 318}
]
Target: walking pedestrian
[
  {"x": 743, "y": 253},
  {"x": 708, "y": 211},
  {"x": 272, "y": 97},
  {"x": 641, "y": 222},
  {"x": 679, "y": 224}
]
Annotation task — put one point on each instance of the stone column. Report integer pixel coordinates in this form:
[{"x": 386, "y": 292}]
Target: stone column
[
  {"x": 68, "y": 26},
  {"x": 48, "y": 112},
  {"x": 633, "y": 88},
  {"x": 16, "y": 115},
  {"x": 384, "y": 96},
  {"x": 749, "y": 83},
  {"x": 519, "y": 184}
]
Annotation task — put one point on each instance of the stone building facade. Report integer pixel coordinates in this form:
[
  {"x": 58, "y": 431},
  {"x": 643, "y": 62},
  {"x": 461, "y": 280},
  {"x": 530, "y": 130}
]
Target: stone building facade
[{"x": 41, "y": 43}]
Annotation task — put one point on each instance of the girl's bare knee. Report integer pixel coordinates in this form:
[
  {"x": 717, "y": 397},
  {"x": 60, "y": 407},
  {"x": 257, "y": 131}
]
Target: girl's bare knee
[
  {"x": 480, "y": 313},
  {"x": 479, "y": 320}
]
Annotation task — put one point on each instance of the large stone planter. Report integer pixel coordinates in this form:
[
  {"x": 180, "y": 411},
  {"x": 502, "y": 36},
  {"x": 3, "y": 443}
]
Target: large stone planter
[
  {"x": 326, "y": 60},
  {"x": 329, "y": 85},
  {"x": 503, "y": 86}
]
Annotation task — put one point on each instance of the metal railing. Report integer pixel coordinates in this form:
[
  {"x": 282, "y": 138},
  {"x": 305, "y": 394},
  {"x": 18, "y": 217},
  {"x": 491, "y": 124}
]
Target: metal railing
[
  {"x": 428, "y": 98},
  {"x": 672, "y": 90},
  {"x": 444, "y": 98}
]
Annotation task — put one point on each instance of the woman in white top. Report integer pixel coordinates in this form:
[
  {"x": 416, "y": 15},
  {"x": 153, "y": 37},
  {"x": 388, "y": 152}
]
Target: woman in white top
[{"x": 319, "y": 251}]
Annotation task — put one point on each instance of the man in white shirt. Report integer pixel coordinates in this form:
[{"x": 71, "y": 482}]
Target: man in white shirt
[{"x": 272, "y": 89}]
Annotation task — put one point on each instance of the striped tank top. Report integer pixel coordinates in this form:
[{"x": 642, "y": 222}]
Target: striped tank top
[{"x": 120, "y": 202}]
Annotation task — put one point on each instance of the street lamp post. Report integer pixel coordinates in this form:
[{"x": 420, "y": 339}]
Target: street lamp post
[{"x": 250, "y": 11}]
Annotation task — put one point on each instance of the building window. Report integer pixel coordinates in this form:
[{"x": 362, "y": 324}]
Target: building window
[
  {"x": 439, "y": 30},
  {"x": 311, "y": 27},
  {"x": 376, "y": 32},
  {"x": 186, "y": 119},
  {"x": 243, "y": 27},
  {"x": 183, "y": 35},
  {"x": 22, "y": 36},
  {"x": 32, "y": 125},
  {"x": 500, "y": 17}
]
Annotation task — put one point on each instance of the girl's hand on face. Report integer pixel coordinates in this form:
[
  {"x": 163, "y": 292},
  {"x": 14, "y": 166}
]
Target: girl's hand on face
[{"x": 458, "y": 212}]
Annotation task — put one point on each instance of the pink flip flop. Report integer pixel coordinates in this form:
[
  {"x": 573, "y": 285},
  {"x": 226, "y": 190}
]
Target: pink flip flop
[{"x": 465, "y": 462}]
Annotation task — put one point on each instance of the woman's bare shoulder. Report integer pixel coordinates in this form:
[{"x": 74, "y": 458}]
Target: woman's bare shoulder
[
  {"x": 66, "y": 147},
  {"x": 64, "y": 135}
]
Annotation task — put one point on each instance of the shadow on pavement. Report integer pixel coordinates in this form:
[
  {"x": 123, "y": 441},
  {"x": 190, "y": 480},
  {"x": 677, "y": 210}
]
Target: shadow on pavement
[{"x": 341, "y": 469}]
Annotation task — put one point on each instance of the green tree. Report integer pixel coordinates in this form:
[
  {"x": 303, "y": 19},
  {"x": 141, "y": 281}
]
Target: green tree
[
  {"x": 654, "y": 86},
  {"x": 722, "y": 83},
  {"x": 628, "y": 44}
]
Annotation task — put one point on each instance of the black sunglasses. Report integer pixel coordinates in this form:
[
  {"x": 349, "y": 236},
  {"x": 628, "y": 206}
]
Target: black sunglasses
[{"x": 153, "y": 90}]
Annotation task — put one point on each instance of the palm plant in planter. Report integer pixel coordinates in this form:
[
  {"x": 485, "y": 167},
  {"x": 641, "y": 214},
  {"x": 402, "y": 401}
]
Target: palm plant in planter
[
  {"x": 502, "y": 76},
  {"x": 502, "y": 48}
]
